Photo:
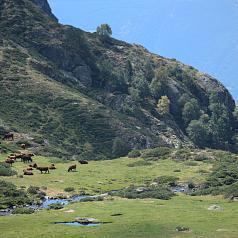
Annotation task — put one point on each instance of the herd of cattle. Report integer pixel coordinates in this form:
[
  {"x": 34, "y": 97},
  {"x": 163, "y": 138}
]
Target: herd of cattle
[{"x": 27, "y": 159}]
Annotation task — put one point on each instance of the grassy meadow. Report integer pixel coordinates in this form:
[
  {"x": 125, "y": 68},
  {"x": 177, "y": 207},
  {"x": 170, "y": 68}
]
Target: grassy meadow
[{"x": 151, "y": 218}]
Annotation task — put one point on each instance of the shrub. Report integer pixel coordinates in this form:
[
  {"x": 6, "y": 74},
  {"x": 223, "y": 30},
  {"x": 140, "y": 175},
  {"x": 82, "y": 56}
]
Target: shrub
[
  {"x": 6, "y": 170},
  {"x": 33, "y": 190},
  {"x": 69, "y": 189},
  {"x": 11, "y": 196},
  {"x": 156, "y": 152},
  {"x": 134, "y": 154},
  {"x": 166, "y": 180},
  {"x": 160, "y": 192},
  {"x": 55, "y": 206},
  {"x": 23, "y": 210},
  {"x": 231, "y": 191},
  {"x": 201, "y": 157},
  {"x": 92, "y": 199}
]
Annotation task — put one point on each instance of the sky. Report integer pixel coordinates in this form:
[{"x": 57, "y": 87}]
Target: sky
[{"x": 201, "y": 33}]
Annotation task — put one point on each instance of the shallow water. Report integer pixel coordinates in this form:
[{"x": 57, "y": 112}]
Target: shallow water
[{"x": 77, "y": 224}]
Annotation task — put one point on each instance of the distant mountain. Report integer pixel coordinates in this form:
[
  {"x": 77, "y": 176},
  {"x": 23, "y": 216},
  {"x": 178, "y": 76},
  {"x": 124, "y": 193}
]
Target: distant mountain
[{"x": 84, "y": 95}]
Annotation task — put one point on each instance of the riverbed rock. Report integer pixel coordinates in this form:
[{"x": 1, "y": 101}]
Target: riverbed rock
[
  {"x": 215, "y": 208},
  {"x": 86, "y": 220}
]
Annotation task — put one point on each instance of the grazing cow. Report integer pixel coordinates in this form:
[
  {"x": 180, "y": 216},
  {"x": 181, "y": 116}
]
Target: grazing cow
[
  {"x": 26, "y": 159},
  {"x": 8, "y": 136},
  {"x": 12, "y": 157},
  {"x": 10, "y": 161},
  {"x": 52, "y": 167},
  {"x": 23, "y": 146},
  {"x": 19, "y": 156},
  {"x": 34, "y": 165},
  {"x": 26, "y": 172},
  {"x": 43, "y": 169},
  {"x": 72, "y": 167},
  {"x": 83, "y": 161}
]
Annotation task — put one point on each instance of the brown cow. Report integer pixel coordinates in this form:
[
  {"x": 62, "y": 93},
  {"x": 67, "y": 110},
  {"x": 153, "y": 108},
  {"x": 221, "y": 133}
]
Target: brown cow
[
  {"x": 43, "y": 169},
  {"x": 12, "y": 157},
  {"x": 10, "y": 161},
  {"x": 23, "y": 146},
  {"x": 25, "y": 172},
  {"x": 72, "y": 167},
  {"x": 34, "y": 165},
  {"x": 52, "y": 167},
  {"x": 8, "y": 136}
]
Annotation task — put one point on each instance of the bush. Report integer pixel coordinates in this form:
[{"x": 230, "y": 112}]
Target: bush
[
  {"x": 11, "y": 196},
  {"x": 33, "y": 190},
  {"x": 160, "y": 192},
  {"x": 166, "y": 180},
  {"x": 134, "y": 154},
  {"x": 156, "y": 152},
  {"x": 6, "y": 170},
  {"x": 92, "y": 199},
  {"x": 23, "y": 210},
  {"x": 55, "y": 206},
  {"x": 201, "y": 157},
  {"x": 231, "y": 191},
  {"x": 69, "y": 189}
]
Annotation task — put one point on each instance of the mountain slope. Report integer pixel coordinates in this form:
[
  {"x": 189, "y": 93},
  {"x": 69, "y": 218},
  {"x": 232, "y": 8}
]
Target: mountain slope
[{"x": 79, "y": 94}]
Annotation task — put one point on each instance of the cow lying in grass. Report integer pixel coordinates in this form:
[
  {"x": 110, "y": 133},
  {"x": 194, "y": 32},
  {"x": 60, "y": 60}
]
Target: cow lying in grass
[
  {"x": 26, "y": 172},
  {"x": 83, "y": 161}
]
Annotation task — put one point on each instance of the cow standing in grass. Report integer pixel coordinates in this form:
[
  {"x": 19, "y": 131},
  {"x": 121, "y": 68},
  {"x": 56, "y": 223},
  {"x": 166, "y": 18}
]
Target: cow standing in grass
[
  {"x": 43, "y": 169},
  {"x": 72, "y": 168}
]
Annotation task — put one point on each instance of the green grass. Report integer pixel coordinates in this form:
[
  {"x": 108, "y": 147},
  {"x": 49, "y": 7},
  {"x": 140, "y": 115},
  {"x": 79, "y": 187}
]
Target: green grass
[
  {"x": 107, "y": 175},
  {"x": 150, "y": 218},
  {"x": 140, "y": 219}
]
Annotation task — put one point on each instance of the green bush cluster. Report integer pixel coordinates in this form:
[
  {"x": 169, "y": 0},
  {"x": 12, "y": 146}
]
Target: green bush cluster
[
  {"x": 159, "y": 152},
  {"x": 10, "y": 196},
  {"x": 6, "y": 170},
  {"x": 160, "y": 192},
  {"x": 23, "y": 210},
  {"x": 134, "y": 154}
]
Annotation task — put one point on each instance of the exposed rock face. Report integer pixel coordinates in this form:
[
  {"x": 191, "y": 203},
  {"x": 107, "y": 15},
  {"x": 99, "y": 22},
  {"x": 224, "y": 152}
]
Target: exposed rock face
[{"x": 44, "y": 5}]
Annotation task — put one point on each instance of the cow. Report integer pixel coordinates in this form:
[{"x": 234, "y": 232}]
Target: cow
[
  {"x": 43, "y": 169},
  {"x": 19, "y": 156},
  {"x": 83, "y": 161},
  {"x": 26, "y": 172},
  {"x": 23, "y": 146},
  {"x": 52, "y": 167},
  {"x": 72, "y": 168},
  {"x": 34, "y": 165},
  {"x": 12, "y": 157},
  {"x": 8, "y": 136},
  {"x": 26, "y": 159},
  {"x": 29, "y": 169},
  {"x": 10, "y": 161}
]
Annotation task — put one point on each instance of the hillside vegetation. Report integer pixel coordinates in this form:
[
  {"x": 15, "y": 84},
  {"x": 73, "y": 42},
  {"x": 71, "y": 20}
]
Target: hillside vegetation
[{"x": 77, "y": 94}]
